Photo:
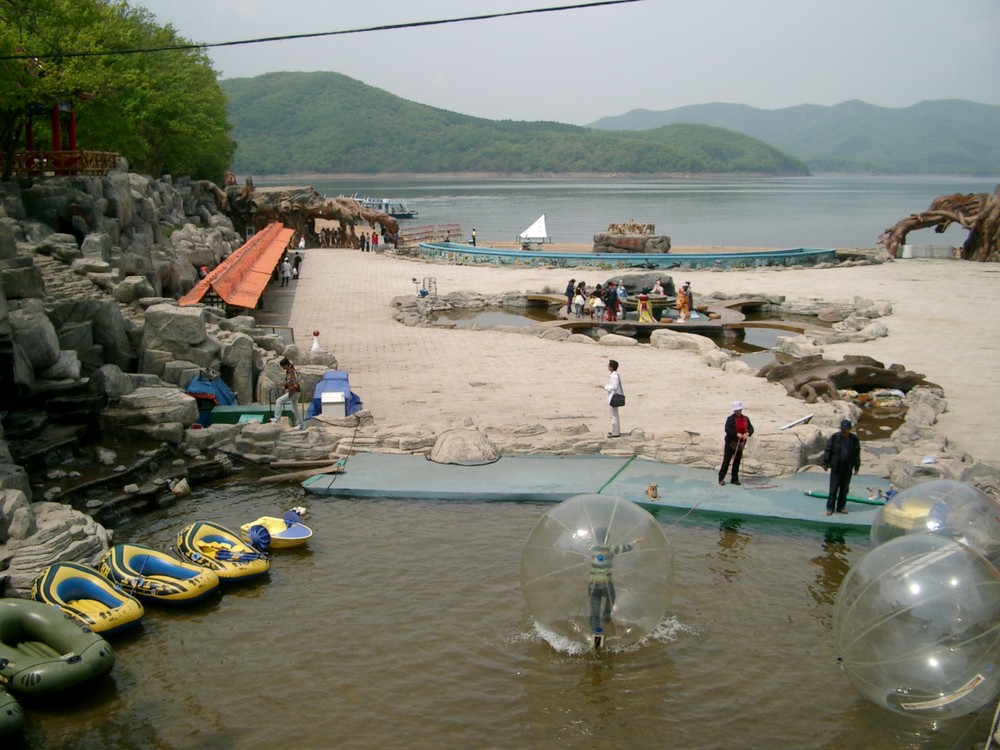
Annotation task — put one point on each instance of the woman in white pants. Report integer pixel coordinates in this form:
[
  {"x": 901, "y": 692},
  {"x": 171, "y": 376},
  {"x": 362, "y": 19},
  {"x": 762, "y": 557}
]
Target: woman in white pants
[{"x": 613, "y": 387}]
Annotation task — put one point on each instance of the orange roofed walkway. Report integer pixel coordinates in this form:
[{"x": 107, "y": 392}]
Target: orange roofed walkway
[{"x": 241, "y": 278}]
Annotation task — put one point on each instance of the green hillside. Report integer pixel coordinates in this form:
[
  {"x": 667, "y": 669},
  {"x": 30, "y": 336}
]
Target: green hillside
[
  {"x": 288, "y": 123},
  {"x": 937, "y": 137}
]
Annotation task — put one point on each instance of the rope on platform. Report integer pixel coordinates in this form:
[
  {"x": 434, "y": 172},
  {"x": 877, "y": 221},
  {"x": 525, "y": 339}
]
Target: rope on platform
[
  {"x": 615, "y": 475},
  {"x": 712, "y": 493}
]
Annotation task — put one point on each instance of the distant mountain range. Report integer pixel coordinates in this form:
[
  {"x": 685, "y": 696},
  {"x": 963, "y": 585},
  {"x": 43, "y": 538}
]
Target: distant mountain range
[
  {"x": 934, "y": 137},
  {"x": 287, "y": 123},
  {"x": 297, "y": 123}
]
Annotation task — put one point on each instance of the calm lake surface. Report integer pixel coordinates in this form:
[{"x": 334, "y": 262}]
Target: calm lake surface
[
  {"x": 402, "y": 625},
  {"x": 785, "y": 212}
]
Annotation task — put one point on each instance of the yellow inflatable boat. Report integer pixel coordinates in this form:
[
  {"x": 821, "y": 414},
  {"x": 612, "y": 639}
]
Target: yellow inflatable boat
[
  {"x": 222, "y": 551},
  {"x": 87, "y": 596},
  {"x": 155, "y": 576},
  {"x": 282, "y": 533}
]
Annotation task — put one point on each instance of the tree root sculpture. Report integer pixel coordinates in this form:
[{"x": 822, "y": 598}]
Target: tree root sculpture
[
  {"x": 816, "y": 379},
  {"x": 977, "y": 212},
  {"x": 297, "y": 208}
]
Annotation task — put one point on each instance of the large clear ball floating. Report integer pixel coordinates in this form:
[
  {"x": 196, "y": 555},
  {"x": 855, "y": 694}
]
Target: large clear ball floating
[
  {"x": 917, "y": 625},
  {"x": 578, "y": 544},
  {"x": 943, "y": 507}
]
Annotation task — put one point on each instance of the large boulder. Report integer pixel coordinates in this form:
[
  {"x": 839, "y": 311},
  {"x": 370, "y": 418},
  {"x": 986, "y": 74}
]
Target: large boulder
[
  {"x": 467, "y": 447},
  {"x": 35, "y": 335},
  {"x": 149, "y": 405},
  {"x": 108, "y": 329},
  {"x": 21, "y": 278},
  {"x": 34, "y": 536}
]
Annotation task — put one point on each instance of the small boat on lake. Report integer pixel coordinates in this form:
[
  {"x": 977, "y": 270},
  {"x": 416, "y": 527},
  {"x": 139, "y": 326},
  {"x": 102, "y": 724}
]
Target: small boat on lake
[
  {"x": 87, "y": 596},
  {"x": 218, "y": 549},
  {"x": 43, "y": 650},
  {"x": 285, "y": 532},
  {"x": 155, "y": 576},
  {"x": 392, "y": 206}
]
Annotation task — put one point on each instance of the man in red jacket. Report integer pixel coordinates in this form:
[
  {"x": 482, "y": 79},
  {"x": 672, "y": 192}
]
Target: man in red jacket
[{"x": 738, "y": 430}]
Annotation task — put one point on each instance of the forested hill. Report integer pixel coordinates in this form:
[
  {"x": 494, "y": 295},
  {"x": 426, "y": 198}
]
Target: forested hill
[
  {"x": 934, "y": 137},
  {"x": 288, "y": 123}
]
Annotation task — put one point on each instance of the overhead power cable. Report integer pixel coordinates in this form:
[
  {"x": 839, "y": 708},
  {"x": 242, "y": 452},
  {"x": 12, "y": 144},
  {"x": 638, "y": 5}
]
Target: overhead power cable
[{"x": 314, "y": 35}]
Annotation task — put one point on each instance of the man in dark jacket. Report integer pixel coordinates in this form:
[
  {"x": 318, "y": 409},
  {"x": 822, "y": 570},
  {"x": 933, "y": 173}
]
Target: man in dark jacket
[
  {"x": 842, "y": 454},
  {"x": 738, "y": 429}
]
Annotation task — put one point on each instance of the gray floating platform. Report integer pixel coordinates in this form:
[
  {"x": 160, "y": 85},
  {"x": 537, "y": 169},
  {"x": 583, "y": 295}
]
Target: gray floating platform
[{"x": 557, "y": 478}]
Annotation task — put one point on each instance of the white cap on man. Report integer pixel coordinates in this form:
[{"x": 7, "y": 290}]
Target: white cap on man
[{"x": 737, "y": 406}]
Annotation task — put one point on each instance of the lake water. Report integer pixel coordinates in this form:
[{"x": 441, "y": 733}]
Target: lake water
[
  {"x": 821, "y": 211},
  {"x": 402, "y": 625}
]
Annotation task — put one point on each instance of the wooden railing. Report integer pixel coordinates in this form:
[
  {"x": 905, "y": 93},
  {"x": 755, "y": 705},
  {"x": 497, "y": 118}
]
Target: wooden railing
[{"x": 35, "y": 163}]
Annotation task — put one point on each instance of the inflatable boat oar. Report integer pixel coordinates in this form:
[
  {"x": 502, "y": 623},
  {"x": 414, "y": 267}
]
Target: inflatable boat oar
[{"x": 862, "y": 500}]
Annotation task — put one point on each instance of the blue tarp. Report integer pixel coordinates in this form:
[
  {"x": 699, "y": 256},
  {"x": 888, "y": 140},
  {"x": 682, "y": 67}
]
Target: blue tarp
[
  {"x": 210, "y": 392},
  {"x": 334, "y": 381}
]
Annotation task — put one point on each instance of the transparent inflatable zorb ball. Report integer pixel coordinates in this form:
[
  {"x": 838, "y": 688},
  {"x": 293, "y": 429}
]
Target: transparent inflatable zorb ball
[
  {"x": 597, "y": 570},
  {"x": 917, "y": 625},
  {"x": 945, "y": 508}
]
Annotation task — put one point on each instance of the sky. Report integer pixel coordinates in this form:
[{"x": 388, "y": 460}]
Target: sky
[{"x": 577, "y": 66}]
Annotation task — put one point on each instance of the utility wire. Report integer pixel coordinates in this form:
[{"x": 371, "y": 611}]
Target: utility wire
[{"x": 314, "y": 35}]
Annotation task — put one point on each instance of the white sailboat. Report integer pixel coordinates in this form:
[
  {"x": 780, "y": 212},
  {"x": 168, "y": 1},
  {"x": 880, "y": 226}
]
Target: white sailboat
[{"x": 536, "y": 234}]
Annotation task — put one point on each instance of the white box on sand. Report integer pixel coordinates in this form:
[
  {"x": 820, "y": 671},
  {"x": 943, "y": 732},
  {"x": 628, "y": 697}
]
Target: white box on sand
[{"x": 333, "y": 404}]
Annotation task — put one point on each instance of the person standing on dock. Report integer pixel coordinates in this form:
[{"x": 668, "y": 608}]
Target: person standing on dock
[
  {"x": 738, "y": 431},
  {"x": 842, "y": 454}
]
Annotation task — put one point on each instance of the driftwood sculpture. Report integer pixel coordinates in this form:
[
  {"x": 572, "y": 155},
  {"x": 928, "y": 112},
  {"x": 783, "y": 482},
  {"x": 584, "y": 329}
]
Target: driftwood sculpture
[
  {"x": 977, "y": 212},
  {"x": 816, "y": 379},
  {"x": 297, "y": 208}
]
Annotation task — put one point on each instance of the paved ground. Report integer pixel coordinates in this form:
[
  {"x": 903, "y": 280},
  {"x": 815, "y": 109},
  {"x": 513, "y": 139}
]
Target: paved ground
[{"x": 414, "y": 376}]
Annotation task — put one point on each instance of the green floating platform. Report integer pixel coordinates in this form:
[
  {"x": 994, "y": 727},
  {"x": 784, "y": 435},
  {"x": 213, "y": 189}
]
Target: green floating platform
[{"x": 557, "y": 478}]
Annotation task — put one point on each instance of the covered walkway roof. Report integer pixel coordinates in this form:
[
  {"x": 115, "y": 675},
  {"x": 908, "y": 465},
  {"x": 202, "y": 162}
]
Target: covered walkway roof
[{"x": 241, "y": 278}]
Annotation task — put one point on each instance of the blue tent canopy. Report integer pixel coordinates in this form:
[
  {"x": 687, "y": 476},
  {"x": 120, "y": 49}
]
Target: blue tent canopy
[
  {"x": 211, "y": 391},
  {"x": 334, "y": 381}
]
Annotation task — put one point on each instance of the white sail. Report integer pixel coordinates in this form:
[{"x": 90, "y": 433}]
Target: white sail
[{"x": 536, "y": 233}]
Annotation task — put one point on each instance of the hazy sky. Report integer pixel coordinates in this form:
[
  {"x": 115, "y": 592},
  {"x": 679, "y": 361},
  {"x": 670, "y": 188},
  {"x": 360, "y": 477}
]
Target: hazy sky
[{"x": 577, "y": 66}]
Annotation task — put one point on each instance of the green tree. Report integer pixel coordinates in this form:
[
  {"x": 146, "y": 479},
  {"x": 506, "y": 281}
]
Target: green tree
[{"x": 164, "y": 111}]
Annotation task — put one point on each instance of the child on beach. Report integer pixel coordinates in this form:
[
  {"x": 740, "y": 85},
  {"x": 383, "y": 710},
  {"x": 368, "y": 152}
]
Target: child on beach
[{"x": 578, "y": 303}]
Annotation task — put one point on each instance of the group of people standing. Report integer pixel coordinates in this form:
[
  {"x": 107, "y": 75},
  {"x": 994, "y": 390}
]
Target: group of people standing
[
  {"x": 841, "y": 457},
  {"x": 290, "y": 266},
  {"x": 600, "y": 303}
]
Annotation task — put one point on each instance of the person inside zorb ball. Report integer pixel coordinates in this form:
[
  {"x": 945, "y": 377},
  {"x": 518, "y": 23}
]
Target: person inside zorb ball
[{"x": 597, "y": 571}]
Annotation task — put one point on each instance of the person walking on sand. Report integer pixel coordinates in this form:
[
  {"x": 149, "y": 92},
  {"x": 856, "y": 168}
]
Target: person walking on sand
[
  {"x": 842, "y": 454},
  {"x": 738, "y": 431},
  {"x": 473, "y": 236},
  {"x": 616, "y": 398}
]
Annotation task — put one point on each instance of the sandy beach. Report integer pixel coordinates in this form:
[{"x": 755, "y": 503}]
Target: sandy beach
[{"x": 422, "y": 376}]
